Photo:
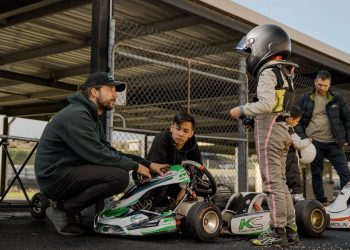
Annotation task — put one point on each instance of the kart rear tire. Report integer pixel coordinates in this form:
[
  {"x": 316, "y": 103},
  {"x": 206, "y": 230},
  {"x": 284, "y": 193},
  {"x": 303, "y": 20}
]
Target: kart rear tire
[
  {"x": 311, "y": 218},
  {"x": 204, "y": 221},
  {"x": 39, "y": 203}
]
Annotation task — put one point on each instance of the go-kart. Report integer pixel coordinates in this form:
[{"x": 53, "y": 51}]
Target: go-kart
[
  {"x": 148, "y": 208},
  {"x": 247, "y": 213},
  {"x": 339, "y": 210}
]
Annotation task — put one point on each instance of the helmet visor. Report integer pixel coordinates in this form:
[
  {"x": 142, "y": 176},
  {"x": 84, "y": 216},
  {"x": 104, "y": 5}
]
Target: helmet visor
[{"x": 244, "y": 46}]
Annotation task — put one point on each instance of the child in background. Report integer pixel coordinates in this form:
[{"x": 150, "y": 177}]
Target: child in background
[{"x": 293, "y": 175}]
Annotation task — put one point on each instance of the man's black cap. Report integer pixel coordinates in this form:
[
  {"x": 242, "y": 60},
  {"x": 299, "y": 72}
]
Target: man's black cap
[{"x": 103, "y": 78}]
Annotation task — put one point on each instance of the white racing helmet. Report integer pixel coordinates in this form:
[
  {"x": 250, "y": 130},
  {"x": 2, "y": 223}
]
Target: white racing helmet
[{"x": 307, "y": 154}]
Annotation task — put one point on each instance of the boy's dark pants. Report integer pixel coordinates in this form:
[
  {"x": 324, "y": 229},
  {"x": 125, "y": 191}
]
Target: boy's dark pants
[{"x": 293, "y": 175}]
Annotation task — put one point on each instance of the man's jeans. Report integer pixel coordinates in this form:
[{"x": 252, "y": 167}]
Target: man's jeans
[{"x": 335, "y": 154}]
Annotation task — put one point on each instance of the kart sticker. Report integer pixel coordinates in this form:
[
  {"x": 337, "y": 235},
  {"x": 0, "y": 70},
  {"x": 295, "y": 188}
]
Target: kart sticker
[{"x": 251, "y": 223}]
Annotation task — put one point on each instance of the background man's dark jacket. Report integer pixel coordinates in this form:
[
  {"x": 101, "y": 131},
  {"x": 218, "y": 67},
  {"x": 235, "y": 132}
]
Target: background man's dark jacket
[{"x": 337, "y": 111}]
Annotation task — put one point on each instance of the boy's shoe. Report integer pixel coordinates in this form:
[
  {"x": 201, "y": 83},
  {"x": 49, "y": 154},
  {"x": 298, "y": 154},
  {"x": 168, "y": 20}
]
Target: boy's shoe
[
  {"x": 65, "y": 225},
  {"x": 272, "y": 237},
  {"x": 292, "y": 234},
  {"x": 298, "y": 197},
  {"x": 324, "y": 202}
]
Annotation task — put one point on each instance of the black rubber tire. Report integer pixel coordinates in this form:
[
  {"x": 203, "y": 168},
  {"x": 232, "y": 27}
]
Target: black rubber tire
[
  {"x": 204, "y": 221},
  {"x": 39, "y": 203},
  {"x": 311, "y": 218}
]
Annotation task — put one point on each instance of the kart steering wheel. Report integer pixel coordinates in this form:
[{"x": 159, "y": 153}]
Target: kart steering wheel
[{"x": 196, "y": 172}]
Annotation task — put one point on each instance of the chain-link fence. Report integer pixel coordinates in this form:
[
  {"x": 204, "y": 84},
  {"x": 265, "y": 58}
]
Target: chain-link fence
[{"x": 166, "y": 74}]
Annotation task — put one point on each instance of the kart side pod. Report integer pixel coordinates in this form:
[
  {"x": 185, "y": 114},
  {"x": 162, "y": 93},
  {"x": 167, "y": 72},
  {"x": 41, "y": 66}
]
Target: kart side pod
[{"x": 243, "y": 214}]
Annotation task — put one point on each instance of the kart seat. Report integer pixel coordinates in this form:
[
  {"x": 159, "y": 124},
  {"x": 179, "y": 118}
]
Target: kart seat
[{"x": 234, "y": 203}]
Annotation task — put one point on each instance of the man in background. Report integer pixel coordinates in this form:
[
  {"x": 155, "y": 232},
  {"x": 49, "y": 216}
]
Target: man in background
[{"x": 325, "y": 119}]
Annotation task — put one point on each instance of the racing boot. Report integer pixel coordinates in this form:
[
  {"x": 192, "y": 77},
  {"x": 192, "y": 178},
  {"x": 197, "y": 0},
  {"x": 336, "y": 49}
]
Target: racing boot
[
  {"x": 272, "y": 237},
  {"x": 292, "y": 234}
]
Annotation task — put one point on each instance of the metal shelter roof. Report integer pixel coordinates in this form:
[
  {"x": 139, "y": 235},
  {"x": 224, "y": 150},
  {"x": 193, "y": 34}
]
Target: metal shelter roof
[{"x": 45, "y": 45}]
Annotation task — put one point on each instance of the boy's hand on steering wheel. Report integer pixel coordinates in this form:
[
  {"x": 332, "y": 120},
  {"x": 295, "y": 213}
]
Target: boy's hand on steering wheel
[{"x": 158, "y": 168}]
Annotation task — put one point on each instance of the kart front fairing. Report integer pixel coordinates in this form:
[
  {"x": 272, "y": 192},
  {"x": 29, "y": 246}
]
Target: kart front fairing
[
  {"x": 339, "y": 210},
  {"x": 132, "y": 215}
]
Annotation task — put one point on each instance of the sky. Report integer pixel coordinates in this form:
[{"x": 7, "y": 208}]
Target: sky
[
  {"x": 25, "y": 127},
  {"x": 325, "y": 20}
]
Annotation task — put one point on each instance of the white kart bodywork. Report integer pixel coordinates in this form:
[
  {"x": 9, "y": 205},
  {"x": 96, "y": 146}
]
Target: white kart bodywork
[
  {"x": 243, "y": 214},
  {"x": 247, "y": 213},
  {"x": 122, "y": 219},
  {"x": 339, "y": 210},
  {"x": 146, "y": 208}
]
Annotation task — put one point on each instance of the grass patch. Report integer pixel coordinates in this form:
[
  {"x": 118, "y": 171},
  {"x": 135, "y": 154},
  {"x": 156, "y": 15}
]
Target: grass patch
[{"x": 17, "y": 194}]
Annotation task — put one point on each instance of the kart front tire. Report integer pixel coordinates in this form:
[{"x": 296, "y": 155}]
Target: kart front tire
[
  {"x": 39, "y": 203},
  {"x": 311, "y": 218},
  {"x": 204, "y": 221}
]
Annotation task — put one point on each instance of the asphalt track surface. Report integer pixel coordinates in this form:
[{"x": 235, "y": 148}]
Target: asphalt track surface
[{"x": 21, "y": 231}]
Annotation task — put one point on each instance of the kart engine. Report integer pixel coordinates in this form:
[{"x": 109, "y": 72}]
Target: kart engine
[{"x": 156, "y": 200}]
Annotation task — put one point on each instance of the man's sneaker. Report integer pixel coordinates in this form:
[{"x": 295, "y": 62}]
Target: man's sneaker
[
  {"x": 272, "y": 237},
  {"x": 65, "y": 225},
  {"x": 292, "y": 234}
]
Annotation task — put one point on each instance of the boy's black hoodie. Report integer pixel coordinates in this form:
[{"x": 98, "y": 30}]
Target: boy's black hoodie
[
  {"x": 74, "y": 137},
  {"x": 163, "y": 150}
]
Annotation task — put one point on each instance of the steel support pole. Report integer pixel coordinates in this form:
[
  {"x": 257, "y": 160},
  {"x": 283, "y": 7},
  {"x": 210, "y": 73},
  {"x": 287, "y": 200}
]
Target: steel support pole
[
  {"x": 3, "y": 167},
  {"x": 101, "y": 16},
  {"x": 242, "y": 145}
]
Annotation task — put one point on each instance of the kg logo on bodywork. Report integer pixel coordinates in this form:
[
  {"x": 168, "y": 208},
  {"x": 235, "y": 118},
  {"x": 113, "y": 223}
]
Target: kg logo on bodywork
[{"x": 250, "y": 223}]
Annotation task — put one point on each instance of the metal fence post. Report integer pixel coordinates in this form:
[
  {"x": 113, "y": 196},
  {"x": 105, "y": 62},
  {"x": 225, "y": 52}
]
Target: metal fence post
[
  {"x": 189, "y": 87},
  {"x": 3, "y": 167},
  {"x": 109, "y": 113},
  {"x": 242, "y": 145}
]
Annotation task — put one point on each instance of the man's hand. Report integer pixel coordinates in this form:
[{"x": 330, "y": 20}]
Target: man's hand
[
  {"x": 159, "y": 168},
  {"x": 144, "y": 171},
  {"x": 235, "y": 113}
]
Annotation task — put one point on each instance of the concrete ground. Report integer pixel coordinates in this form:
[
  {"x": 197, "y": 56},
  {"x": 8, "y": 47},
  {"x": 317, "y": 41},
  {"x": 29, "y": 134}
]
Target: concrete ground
[{"x": 18, "y": 230}]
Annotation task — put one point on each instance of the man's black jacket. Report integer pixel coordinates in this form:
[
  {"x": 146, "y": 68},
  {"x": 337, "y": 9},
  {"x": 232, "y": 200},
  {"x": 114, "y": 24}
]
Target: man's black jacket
[
  {"x": 337, "y": 111},
  {"x": 74, "y": 137}
]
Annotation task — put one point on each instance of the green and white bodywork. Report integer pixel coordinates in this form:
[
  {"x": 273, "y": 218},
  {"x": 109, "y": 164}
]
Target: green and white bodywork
[
  {"x": 122, "y": 219},
  {"x": 244, "y": 215}
]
